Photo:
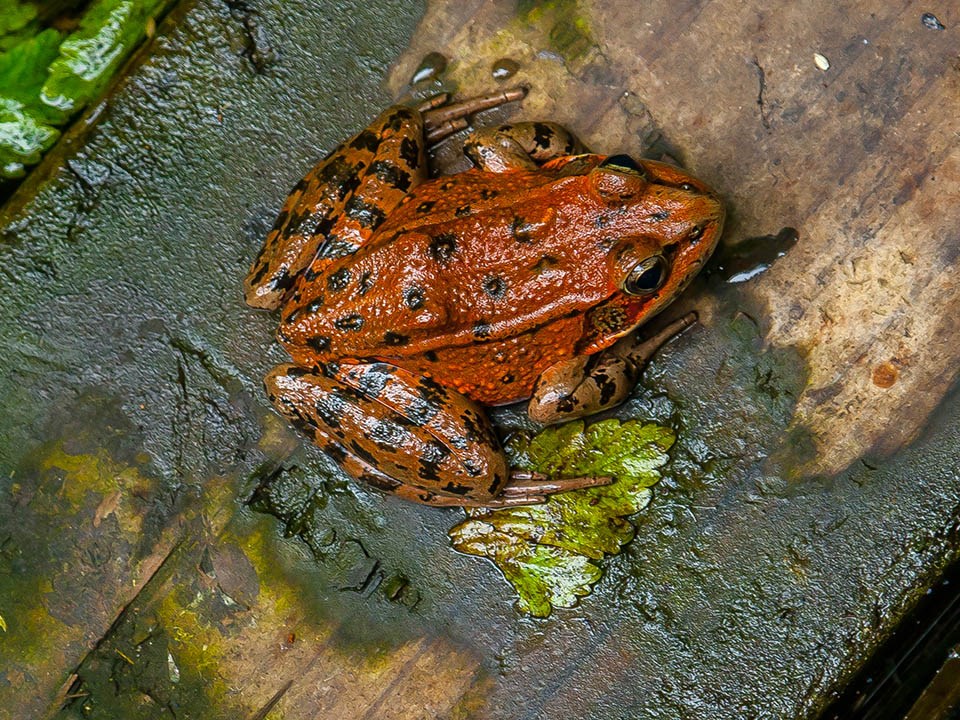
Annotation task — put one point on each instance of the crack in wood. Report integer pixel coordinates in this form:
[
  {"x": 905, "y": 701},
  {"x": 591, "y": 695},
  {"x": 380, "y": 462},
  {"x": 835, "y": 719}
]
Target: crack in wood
[
  {"x": 373, "y": 710},
  {"x": 264, "y": 711},
  {"x": 71, "y": 687},
  {"x": 762, "y": 81}
]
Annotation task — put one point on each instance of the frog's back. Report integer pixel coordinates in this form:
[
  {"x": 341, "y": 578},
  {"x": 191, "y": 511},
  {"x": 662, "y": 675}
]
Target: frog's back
[{"x": 450, "y": 285}]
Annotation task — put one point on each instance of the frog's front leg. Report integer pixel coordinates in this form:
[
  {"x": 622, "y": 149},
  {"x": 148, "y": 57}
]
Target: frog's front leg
[
  {"x": 586, "y": 384},
  {"x": 338, "y": 205},
  {"x": 406, "y": 434},
  {"x": 520, "y": 146}
]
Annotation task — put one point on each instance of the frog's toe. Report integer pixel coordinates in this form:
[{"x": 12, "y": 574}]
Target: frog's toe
[
  {"x": 441, "y": 121},
  {"x": 522, "y": 484}
]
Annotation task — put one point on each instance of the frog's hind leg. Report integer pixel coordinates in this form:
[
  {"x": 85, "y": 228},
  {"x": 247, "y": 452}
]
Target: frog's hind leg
[
  {"x": 403, "y": 433},
  {"x": 338, "y": 205},
  {"x": 407, "y": 435},
  {"x": 520, "y": 146}
]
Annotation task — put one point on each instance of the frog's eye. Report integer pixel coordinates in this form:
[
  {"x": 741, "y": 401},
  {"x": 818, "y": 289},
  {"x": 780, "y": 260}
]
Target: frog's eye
[
  {"x": 647, "y": 276},
  {"x": 623, "y": 163}
]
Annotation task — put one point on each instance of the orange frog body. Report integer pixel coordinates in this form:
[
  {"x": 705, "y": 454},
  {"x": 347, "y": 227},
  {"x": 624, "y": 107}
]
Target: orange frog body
[{"x": 408, "y": 303}]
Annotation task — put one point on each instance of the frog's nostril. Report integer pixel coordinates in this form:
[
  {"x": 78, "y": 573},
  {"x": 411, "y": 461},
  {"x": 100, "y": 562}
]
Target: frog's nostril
[{"x": 696, "y": 233}]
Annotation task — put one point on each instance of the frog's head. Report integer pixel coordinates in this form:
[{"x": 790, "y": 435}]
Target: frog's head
[{"x": 661, "y": 225}]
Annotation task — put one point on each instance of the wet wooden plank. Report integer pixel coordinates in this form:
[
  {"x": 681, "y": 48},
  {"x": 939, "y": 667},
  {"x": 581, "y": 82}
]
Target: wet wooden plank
[{"x": 813, "y": 490}]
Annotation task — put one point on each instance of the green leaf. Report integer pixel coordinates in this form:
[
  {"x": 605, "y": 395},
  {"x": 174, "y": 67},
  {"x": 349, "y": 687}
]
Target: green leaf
[
  {"x": 23, "y": 140},
  {"x": 16, "y": 23},
  {"x": 25, "y": 131},
  {"x": 109, "y": 30},
  {"x": 546, "y": 551},
  {"x": 23, "y": 69}
]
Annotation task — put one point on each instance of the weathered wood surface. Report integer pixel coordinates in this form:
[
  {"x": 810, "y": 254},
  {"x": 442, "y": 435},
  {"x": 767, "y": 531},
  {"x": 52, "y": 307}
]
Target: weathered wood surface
[{"x": 813, "y": 490}]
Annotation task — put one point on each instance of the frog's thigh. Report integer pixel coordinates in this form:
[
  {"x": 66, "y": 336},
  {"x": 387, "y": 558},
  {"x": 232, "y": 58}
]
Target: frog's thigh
[
  {"x": 340, "y": 202},
  {"x": 401, "y": 432},
  {"x": 520, "y": 146}
]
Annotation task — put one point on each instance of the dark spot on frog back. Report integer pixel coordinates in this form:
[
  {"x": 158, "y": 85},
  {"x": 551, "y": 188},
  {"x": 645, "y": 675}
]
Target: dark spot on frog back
[
  {"x": 388, "y": 435},
  {"x": 495, "y": 286},
  {"x": 367, "y": 214},
  {"x": 398, "y": 117},
  {"x": 364, "y": 283},
  {"x": 414, "y": 297},
  {"x": 482, "y": 329},
  {"x": 278, "y": 225},
  {"x": 521, "y": 230},
  {"x": 458, "y": 489},
  {"x": 349, "y": 323},
  {"x": 335, "y": 451},
  {"x": 545, "y": 263},
  {"x": 434, "y": 453},
  {"x": 330, "y": 407},
  {"x": 338, "y": 280},
  {"x": 320, "y": 343},
  {"x": 282, "y": 280},
  {"x": 443, "y": 246},
  {"x": 420, "y": 412},
  {"x": 542, "y": 135},
  {"x": 395, "y": 339}
]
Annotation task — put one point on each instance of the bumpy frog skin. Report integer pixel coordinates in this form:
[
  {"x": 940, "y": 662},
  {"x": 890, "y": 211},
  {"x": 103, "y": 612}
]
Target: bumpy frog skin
[{"x": 407, "y": 304}]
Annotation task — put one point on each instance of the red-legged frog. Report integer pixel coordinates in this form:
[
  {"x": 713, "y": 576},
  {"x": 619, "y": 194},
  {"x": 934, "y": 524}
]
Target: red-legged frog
[{"x": 408, "y": 303}]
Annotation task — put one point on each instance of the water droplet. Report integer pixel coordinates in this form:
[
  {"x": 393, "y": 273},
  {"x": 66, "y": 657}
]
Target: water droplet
[
  {"x": 755, "y": 255},
  {"x": 504, "y": 68},
  {"x": 932, "y": 22},
  {"x": 432, "y": 65}
]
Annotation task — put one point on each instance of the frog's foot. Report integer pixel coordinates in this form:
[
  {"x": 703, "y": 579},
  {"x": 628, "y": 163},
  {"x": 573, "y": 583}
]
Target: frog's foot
[
  {"x": 520, "y": 146},
  {"x": 586, "y": 384},
  {"x": 440, "y": 120}
]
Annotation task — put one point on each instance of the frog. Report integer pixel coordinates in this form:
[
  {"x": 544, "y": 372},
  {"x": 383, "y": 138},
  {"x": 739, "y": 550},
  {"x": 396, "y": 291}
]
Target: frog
[{"x": 411, "y": 304}]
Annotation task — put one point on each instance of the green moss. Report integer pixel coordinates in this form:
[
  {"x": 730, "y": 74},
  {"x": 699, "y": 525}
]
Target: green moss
[
  {"x": 90, "y": 56},
  {"x": 25, "y": 131},
  {"x": 46, "y": 78},
  {"x": 18, "y": 21},
  {"x": 567, "y": 29}
]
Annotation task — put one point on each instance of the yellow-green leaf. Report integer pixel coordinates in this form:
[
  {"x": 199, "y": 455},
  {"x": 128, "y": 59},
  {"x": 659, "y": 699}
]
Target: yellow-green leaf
[{"x": 547, "y": 551}]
